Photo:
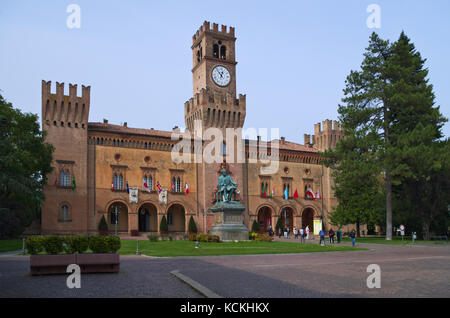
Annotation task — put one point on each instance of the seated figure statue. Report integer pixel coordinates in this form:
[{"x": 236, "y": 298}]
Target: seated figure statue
[{"x": 226, "y": 187}]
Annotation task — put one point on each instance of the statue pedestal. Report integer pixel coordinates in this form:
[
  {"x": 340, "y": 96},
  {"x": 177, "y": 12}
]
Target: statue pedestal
[{"x": 229, "y": 221}]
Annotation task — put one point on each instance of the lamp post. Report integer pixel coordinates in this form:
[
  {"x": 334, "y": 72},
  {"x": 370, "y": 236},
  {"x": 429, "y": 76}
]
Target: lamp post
[{"x": 116, "y": 213}]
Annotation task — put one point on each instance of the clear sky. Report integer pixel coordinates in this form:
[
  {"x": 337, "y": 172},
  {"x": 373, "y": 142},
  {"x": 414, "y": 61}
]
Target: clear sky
[{"x": 293, "y": 56}]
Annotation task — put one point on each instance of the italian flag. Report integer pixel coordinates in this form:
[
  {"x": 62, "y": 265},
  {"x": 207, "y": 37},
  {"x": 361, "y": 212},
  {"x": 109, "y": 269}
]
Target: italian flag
[
  {"x": 112, "y": 185},
  {"x": 263, "y": 191},
  {"x": 272, "y": 194},
  {"x": 74, "y": 185},
  {"x": 187, "y": 188},
  {"x": 295, "y": 194}
]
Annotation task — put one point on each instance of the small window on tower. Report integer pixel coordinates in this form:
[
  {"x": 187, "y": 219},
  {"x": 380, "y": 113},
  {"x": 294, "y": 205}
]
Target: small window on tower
[
  {"x": 223, "y": 52},
  {"x": 215, "y": 50}
]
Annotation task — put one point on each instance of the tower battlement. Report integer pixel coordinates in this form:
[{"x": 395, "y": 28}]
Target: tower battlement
[
  {"x": 215, "y": 109},
  {"x": 326, "y": 134},
  {"x": 206, "y": 27},
  {"x": 65, "y": 110}
]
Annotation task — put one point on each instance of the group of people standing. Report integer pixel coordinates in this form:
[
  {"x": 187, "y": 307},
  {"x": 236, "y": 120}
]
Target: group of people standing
[{"x": 303, "y": 234}]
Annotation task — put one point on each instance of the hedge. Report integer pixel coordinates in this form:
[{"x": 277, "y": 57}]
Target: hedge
[
  {"x": 72, "y": 244},
  {"x": 204, "y": 238}
]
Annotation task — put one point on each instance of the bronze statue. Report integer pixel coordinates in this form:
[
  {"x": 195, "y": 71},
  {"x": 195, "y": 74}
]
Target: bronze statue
[{"x": 226, "y": 187}]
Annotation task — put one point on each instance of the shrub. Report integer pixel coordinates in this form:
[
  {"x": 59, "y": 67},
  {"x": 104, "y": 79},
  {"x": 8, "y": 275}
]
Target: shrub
[
  {"x": 255, "y": 226},
  {"x": 279, "y": 225},
  {"x": 53, "y": 244},
  {"x": 170, "y": 238},
  {"x": 202, "y": 237},
  {"x": 113, "y": 243},
  {"x": 99, "y": 244},
  {"x": 192, "y": 226},
  {"x": 35, "y": 244},
  {"x": 76, "y": 244},
  {"x": 263, "y": 238},
  {"x": 163, "y": 227},
  {"x": 102, "y": 225},
  {"x": 152, "y": 238}
]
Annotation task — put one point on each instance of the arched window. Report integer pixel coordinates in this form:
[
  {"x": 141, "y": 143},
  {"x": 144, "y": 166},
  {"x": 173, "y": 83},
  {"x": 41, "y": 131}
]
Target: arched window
[
  {"x": 67, "y": 179},
  {"x": 215, "y": 50},
  {"x": 150, "y": 183},
  {"x": 64, "y": 216},
  {"x": 223, "y": 52},
  {"x": 224, "y": 149}
]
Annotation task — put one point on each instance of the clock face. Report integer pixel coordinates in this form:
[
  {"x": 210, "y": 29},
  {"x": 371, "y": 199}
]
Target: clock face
[{"x": 221, "y": 76}]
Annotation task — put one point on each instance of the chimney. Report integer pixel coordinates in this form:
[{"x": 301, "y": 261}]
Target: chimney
[
  {"x": 125, "y": 124},
  {"x": 283, "y": 140},
  {"x": 105, "y": 121},
  {"x": 176, "y": 129}
]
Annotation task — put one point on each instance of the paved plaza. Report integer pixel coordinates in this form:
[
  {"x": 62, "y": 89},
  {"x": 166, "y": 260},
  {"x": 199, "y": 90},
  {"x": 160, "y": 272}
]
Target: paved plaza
[{"x": 406, "y": 271}]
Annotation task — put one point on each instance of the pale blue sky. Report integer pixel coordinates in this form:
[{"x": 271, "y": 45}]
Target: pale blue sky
[{"x": 293, "y": 56}]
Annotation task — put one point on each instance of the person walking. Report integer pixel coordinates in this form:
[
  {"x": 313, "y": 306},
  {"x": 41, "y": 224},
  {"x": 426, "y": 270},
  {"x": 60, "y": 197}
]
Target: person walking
[
  {"x": 339, "y": 235},
  {"x": 353, "y": 237},
  {"x": 295, "y": 233},
  {"x": 307, "y": 232},
  {"x": 279, "y": 232},
  {"x": 322, "y": 237},
  {"x": 301, "y": 233},
  {"x": 331, "y": 234},
  {"x": 285, "y": 233}
]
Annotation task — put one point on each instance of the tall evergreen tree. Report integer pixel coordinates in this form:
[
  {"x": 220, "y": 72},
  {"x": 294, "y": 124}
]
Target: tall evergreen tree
[{"x": 391, "y": 126}]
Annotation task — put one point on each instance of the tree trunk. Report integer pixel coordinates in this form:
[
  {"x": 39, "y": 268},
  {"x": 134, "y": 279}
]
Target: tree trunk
[
  {"x": 388, "y": 206},
  {"x": 357, "y": 229},
  {"x": 426, "y": 230}
]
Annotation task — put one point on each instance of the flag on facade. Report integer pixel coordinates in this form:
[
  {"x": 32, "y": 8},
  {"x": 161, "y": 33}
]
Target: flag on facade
[
  {"x": 128, "y": 189},
  {"x": 112, "y": 185},
  {"x": 264, "y": 191},
  {"x": 318, "y": 195},
  {"x": 285, "y": 193},
  {"x": 295, "y": 194},
  {"x": 310, "y": 193},
  {"x": 145, "y": 186},
  {"x": 187, "y": 188},
  {"x": 74, "y": 185},
  {"x": 158, "y": 186},
  {"x": 173, "y": 185},
  {"x": 272, "y": 194}
]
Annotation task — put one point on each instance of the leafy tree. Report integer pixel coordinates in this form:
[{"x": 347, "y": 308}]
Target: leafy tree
[
  {"x": 279, "y": 225},
  {"x": 25, "y": 161}
]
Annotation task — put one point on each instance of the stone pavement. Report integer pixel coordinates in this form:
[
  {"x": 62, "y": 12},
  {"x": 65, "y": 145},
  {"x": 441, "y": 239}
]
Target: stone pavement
[{"x": 406, "y": 271}]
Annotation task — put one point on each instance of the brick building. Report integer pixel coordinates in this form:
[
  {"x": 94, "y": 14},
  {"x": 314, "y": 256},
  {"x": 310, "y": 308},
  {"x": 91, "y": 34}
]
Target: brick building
[{"x": 103, "y": 159}]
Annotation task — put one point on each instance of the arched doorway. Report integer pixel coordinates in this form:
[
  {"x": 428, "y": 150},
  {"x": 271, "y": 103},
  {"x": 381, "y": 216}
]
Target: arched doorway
[
  {"x": 176, "y": 218},
  {"x": 264, "y": 219},
  {"x": 118, "y": 217},
  {"x": 307, "y": 218},
  {"x": 287, "y": 218},
  {"x": 147, "y": 218}
]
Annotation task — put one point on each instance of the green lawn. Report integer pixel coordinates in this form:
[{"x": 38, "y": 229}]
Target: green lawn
[
  {"x": 187, "y": 248},
  {"x": 10, "y": 245},
  {"x": 395, "y": 241}
]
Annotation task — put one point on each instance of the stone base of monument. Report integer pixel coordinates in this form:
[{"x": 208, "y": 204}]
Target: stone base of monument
[{"x": 229, "y": 221}]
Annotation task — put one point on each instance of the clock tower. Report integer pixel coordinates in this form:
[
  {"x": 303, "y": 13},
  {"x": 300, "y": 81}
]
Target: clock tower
[
  {"x": 215, "y": 104},
  {"x": 214, "y": 80}
]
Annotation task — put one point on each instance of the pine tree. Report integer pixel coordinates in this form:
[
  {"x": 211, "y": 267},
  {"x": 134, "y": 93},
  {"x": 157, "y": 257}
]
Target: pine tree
[
  {"x": 391, "y": 132},
  {"x": 192, "y": 226}
]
